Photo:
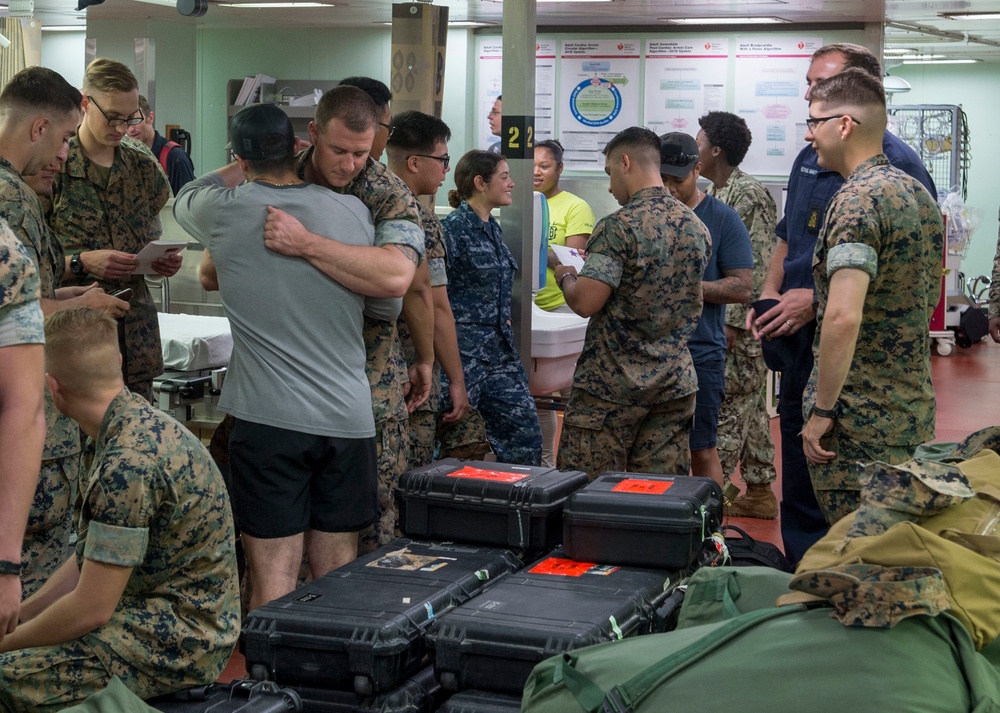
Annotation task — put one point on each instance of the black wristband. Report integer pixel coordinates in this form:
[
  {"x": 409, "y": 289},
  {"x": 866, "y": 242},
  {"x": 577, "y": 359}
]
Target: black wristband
[
  {"x": 827, "y": 412},
  {"x": 8, "y": 567},
  {"x": 561, "y": 280}
]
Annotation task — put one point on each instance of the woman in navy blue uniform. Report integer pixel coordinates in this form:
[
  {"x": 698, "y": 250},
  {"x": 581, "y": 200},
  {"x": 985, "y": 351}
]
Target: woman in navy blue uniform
[{"x": 480, "y": 283}]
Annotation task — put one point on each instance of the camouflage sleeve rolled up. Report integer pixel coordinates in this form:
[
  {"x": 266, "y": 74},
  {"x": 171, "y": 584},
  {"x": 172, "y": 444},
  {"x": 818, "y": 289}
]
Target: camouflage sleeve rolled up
[
  {"x": 393, "y": 206},
  {"x": 434, "y": 246},
  {"x": 21, "y": 320},
  {"x": 608, "y": 251}
]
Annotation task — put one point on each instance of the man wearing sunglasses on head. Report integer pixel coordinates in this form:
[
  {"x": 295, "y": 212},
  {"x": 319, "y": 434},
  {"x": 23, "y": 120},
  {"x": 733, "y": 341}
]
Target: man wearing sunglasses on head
[{"x": 105, "y": 209}]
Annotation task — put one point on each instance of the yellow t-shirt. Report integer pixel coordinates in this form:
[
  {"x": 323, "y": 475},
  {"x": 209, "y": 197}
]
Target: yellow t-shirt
[{"x": 568, "y": 215}]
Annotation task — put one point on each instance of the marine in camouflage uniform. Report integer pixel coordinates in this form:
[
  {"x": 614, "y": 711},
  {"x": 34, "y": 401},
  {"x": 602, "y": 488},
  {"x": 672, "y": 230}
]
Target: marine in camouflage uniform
[
  {"x": 50, "y": 521},
  {"x": 467, "y": 437},
  {"x": 481, "y": 282},
  {"x": 21, "y": 320},
  {"x": 634, "y": 387},
  {"x": 156, "y": 503},
  {"x": 885, "y": 223},
  {"x": 95, "y": 208},
  {"x": 744, "y": 437},
  {"x": 395, "y": 213}
]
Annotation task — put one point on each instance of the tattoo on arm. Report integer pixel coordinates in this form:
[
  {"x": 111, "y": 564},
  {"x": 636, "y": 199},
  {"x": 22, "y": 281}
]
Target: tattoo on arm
[{"x": 410, "y": 253}]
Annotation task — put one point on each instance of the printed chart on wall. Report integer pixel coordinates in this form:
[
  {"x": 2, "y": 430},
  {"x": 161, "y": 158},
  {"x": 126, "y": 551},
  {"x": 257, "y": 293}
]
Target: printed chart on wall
[
  {"x": 770, "y": 85},
  {"x": 598, "y": 97},
  {"x": 490, "y": 80},
  {"x": 685, "y": 79}
]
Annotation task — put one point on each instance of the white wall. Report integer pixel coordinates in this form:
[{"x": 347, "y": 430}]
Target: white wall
[
  {"x": 975, "y": 88},
  {"x": 65, "y": 52}
]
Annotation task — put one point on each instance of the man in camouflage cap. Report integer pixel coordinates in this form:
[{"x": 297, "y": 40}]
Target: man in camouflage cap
[
  {"x": 106, "y": 204},
  {"x": 634, "y": 388},
  {"x": 878, "y": 278},
  {"x": 151, "y": 594}
]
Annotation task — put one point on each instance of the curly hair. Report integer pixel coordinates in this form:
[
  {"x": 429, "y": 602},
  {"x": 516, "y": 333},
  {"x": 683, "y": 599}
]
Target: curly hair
[{"x": 729, "y": 132}]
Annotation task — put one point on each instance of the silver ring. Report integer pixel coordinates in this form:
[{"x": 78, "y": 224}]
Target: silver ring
[{"x": 789, "y": 323}]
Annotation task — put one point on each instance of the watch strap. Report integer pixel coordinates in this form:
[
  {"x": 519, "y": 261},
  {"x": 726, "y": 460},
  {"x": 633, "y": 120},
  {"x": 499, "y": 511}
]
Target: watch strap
[
  {"x": 8, "y": 567},
  {"x": 827, "y": 412}
]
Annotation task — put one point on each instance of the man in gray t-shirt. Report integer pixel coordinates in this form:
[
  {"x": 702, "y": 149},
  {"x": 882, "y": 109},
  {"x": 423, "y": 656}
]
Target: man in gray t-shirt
[{"x": 302, "y": 450}]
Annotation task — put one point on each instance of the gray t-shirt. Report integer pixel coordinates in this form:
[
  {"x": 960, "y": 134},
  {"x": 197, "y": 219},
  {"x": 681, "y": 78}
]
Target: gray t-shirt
[{"x": 298, "y": 356}]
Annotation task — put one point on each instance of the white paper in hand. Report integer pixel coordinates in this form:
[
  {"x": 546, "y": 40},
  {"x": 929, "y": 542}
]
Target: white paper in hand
[
  {"x": 570, "y": 257},
  {"x": 155, "y": 250}
]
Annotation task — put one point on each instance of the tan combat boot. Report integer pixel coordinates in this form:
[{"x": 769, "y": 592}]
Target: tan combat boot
[{"x": 758, "y": 502}]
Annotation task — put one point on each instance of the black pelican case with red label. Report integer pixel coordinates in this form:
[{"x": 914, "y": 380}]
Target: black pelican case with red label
[
  {"x": 497, "y": 504},
  {"x": 493, "y": 642},
  {"x": 362, "y": 626},
  {"x": 642, "y": 520}
]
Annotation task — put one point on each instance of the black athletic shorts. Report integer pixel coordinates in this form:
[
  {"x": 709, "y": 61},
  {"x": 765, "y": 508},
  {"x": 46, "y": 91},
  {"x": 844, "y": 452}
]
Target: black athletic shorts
[{"x": 285, "y": 482}]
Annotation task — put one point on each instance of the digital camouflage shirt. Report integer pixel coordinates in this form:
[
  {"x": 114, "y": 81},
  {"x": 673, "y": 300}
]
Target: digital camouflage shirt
[
  {"x": 652, "y": 252},
  {"x": 396, "y": 216},
  {"x": 755, "y": 206},
  {"x": 122, "y": 215},
  {"x": 21, "y": 320},
  {"x": 435, "y": 256},
  {"x": 19, "y": 206},
  {"x": 885, "y": 223},
  {"x": 154, "y": 500}
]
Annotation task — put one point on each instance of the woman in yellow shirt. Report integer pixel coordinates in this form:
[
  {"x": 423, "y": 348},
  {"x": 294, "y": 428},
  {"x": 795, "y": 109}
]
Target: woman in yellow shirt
[{"x": 571, "y": 220}]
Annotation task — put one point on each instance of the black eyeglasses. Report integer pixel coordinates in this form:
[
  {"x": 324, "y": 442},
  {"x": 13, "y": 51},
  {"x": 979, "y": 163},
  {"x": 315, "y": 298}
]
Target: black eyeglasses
[
  {"x": 116, "y": 121},
  {"x": 388, "y": 127},
  {"x": 445, "y": 160},
  {"x": 678, "y": 159},
  {"x": 812, "y": 123}
]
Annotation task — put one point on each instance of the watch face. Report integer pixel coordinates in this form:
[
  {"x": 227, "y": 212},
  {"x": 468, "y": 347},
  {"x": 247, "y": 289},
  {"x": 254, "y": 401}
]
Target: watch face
[{"x": 76, "y": 265}]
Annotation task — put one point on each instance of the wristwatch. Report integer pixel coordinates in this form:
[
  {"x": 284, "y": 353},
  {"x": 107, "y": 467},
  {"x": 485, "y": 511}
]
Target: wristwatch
[
  {"x": 827, "y": 412},
  {"x": 76, "y": 265},
  {"x": 8, "y": 567}
]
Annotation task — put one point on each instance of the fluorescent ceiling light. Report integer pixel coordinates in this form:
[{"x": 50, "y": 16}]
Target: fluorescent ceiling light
[
  {"x": 723, "y": 20},
  {"x": 940, "y": 61},
  {"x": 64, "y": 28},
  {"x": 899, "y": 50},
  {"x": 269, "y": 5},
  {"x": 971, "y": 15}
]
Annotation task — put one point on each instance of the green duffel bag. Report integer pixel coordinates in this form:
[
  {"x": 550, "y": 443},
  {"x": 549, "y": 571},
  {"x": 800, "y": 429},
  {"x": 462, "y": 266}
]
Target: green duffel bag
[
  {"x": 714, "y": 594},
  {"x": 781, "y": 660}
]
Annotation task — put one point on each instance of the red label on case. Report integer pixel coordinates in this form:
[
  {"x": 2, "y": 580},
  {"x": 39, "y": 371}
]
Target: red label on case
[
  {"x": 495, "y": 475},
  {"x": 563, "y": 567},
  {"x": 638, "y": 485}
]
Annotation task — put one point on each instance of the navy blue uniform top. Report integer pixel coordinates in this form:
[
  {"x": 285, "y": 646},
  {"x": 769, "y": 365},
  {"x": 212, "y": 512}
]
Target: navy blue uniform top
[
  {"x": 480, "y": 284},
  {"x": 731, "y": 250},
  {"x": 810, "y": 189}
]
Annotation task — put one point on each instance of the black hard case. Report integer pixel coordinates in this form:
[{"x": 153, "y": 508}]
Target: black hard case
[
  {"x": 419, "y": 694},
  {"x": 241, "y": 696},
  {"x": 641, "y": 520},
  {"x": 481, "y": 702},
  {"x": 493, "y": 642},
  {"x": 361, "y": 626},
  {"x": 525, "y": 514}
]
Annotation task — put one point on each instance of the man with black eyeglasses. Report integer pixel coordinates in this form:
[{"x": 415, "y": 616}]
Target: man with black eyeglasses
[
  {"x": 105, "y": 210},
  {"x": 790, "y": 281}
]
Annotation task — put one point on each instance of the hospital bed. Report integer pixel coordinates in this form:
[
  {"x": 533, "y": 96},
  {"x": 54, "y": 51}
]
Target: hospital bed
[{"x": 196, "y": 351}]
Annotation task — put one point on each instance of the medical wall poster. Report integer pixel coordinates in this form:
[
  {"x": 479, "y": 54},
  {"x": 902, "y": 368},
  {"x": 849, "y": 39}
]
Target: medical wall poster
[
  {"x": 770, "y": 86},
  {"x": 545, "y": 89},
  {"x": 489, "y": 70},
  {"x": 685, "y": 79},
  {"x": 599, "y": 95},
  {"x": 489, "y": 80}
]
